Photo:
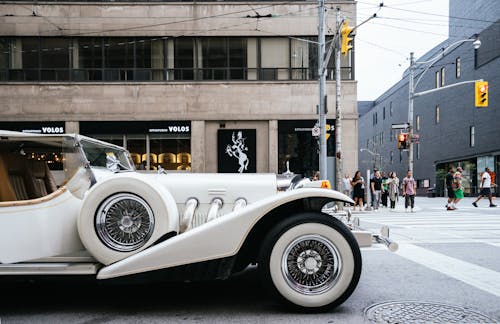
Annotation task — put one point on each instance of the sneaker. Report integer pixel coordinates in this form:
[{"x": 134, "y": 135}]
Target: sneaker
[
  {"x": 450, "y": 208},
  {"x": 493, "y": 205},
  {"x": 474, "y": 204}
]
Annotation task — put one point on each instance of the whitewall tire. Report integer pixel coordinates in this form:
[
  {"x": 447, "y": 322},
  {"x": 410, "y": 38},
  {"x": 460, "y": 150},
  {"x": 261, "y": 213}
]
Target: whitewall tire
[
  {"x": 310, "y": 261},
  {"x": 124, "y": 215}
]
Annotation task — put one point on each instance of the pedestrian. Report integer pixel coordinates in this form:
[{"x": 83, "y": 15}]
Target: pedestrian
[
  {"x": 376, "y": 189},
  {"x": 358, "y": 190},
  {"x": 315, "y": 176},
  {"x": 393, "y": 188},
  {"x": 385, "y": 188},
  {"x": 457, "y": 187},
  {"x": 372, "y": 197},
  {"x": 409, "y": 191},
  {"x": 346, "y": 184},
  {"x": 449, "y": 188},
  {"x": 485, "y": 188}
]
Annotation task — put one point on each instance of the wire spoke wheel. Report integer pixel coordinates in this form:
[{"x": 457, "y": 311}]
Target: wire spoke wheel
[
  {"x": 124, "y": 222},
  {"x": 311, "y": 264}
]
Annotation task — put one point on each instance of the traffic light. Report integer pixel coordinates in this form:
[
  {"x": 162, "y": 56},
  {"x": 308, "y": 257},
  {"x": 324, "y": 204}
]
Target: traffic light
[
  {"x": 481, "y": 93},
  {"x": 346, "y": 41},
  {"x": 402, "y": 141}
]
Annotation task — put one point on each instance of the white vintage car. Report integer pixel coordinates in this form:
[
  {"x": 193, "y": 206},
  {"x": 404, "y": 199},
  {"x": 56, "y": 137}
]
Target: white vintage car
[{"x": 73, "y": 205}]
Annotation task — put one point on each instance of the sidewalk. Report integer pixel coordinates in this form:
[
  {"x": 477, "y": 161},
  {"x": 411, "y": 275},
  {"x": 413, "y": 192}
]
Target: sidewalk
[{"x": 423, "y": 204}]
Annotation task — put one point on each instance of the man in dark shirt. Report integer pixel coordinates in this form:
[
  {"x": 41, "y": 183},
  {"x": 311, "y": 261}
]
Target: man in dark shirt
[
  {"x": 376, "y": 188},
  {"x": 449, "y": 187}
]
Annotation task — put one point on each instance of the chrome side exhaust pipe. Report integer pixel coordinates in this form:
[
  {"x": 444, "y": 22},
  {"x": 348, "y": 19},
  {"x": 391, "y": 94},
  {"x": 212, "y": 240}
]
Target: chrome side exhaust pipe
[
  {"x": 214, "y": 209},
  {"x": 187, "y": 216}
]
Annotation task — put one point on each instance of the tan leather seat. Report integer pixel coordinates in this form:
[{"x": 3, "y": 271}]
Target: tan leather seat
[
  {"x": 6, "y": 190},
  {"x": 28, "y": 179},
  {"x": 43, "y": 179}
]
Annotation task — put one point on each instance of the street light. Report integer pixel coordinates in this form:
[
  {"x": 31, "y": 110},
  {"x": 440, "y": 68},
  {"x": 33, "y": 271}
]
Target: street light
[
  {"x": 375, "y": 155},
  {"x": 413, "y": 85}
]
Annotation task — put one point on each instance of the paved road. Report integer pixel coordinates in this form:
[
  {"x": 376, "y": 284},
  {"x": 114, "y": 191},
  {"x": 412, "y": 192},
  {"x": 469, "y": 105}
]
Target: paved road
[{"x": 450, "y": 257}]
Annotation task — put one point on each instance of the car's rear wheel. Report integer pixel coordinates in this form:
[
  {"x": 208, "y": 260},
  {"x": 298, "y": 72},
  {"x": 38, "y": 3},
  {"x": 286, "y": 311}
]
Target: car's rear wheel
[{"x": 310, "y": 261}]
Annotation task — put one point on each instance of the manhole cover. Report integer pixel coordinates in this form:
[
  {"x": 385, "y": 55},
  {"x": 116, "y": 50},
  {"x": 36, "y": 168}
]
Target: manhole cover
[{"x": 423, "y": 312}]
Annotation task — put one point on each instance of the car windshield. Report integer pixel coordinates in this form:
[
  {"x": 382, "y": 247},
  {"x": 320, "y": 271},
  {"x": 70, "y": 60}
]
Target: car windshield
[{"x": 104, "y": 155}]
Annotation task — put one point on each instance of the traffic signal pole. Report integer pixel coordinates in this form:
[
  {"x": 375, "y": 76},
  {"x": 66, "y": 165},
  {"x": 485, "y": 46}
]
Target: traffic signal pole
[
  {"x": 322, "y": 90},
  {"x": 338, "y": 110},
  {"x": 410, "y": 112}
]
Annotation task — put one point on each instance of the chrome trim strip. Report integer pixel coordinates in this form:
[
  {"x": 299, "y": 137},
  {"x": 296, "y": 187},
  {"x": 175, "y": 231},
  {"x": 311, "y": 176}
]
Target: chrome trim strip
[{"x": 48, "y": 268}]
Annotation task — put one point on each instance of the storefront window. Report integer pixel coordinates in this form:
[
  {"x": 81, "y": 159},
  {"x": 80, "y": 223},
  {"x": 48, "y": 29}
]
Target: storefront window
[
  {"x": 170, "y": 153},
  {"x": 136, "y": 145},
  {"x": 299, "y": 148},
  {"x": 154, "y": 144}
]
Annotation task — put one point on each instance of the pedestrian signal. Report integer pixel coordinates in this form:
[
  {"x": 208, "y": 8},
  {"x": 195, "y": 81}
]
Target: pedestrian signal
[
  {"x": 402, "y": 141},
  {"x": 481, "y": 93}
]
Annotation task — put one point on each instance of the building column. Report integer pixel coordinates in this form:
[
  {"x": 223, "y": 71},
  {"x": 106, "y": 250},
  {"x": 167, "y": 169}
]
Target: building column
[
  {"x": 273, "y": 146},
  {"x": 198, "y": 146},
  {"x": 72, "y": 127}
]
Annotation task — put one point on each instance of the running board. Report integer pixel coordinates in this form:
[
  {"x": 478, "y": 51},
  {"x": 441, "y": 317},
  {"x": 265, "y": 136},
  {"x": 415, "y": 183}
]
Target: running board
[{"x": 36, "y": 269}]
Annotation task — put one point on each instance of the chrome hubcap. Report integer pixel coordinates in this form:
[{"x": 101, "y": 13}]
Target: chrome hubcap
[
  {"x": 124, "y": 222},
  {"x": 311, "y": 264}
]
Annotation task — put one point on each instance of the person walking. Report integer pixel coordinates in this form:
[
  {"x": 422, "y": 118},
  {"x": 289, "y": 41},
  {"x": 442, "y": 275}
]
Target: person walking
[
  {"x": 346, "y": 184},
  {"x": 385, "y": 188},
  {"x": 485, "y": 188},
  {"x": 376, "y": 189},
  {"x": 358, "y": 191},
  {"x": 393, "y": 189},
  {"x": 409, "y": 191},
  {"x": 449, "y": 188},
  {"x": 457, "y": 187}
]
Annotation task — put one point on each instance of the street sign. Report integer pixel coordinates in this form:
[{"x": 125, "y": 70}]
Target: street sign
[
  {"x": 315, "y": 131},
  {"x": 400, "y": 126}
]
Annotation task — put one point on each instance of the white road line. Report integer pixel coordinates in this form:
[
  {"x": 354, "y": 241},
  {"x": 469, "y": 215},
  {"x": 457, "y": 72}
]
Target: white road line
[{"x": 471, "y": 274}]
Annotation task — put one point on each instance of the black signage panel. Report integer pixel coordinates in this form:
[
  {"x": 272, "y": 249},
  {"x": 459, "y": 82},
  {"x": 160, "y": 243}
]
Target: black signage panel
[
  {"x": 49, "y": 127},
  {"x": 135, "y": 127},
  {"x": 236, "y": 151}
]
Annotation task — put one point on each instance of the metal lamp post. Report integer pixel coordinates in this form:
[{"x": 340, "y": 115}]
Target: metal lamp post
[
  {"x": 374, "y": 155},
  {"x": 412, "y": 86}
]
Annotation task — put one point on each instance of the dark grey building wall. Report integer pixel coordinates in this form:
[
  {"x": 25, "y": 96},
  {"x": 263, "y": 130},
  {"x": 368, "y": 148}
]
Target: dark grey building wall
[
  {"x": 448, "y": 139},
  {"x": 479, "y": 15}
]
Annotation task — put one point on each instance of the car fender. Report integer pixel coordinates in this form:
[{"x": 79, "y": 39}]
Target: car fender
[
  {"x": 220, "y": 238},
  {"x": 162, "y": 203}
]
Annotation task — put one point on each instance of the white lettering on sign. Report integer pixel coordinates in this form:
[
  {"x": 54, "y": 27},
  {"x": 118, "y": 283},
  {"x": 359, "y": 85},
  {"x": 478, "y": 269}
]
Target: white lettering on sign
[
  {"x": 52, "y": 130},
  {"x": 171, "y": 129}
]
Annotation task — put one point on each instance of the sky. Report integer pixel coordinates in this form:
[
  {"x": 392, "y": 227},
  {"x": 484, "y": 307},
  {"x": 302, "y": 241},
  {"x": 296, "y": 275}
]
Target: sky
[{"x": 383, "y": 44}]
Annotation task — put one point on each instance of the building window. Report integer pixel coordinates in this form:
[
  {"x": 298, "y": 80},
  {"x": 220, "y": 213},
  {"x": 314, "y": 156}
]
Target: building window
[
  {"x": 437, "y": 79},
  {"x": 400, "y": 156},
  {"x": 392, "y": 157},
  {"x": 383, "y": 113},
  {"x": 436, "y": 115},
  {"x": 390, "y": 109},
  {"x": 442, "y": 76},
  {"x": 418, "y": 150},
  {"x": 417, "y": 123},
  {"x": 472, "y": 136},
  {"x": 81, "y": 59},
  {"x": 457, "y": 67}
]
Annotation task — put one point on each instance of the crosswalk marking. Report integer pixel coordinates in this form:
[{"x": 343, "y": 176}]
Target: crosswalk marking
[{"x": 474, "y": 275}]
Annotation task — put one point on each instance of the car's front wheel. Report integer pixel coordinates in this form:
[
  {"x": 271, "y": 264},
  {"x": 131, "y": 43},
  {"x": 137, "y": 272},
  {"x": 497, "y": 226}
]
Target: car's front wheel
[{"x": 310, "y": 261}]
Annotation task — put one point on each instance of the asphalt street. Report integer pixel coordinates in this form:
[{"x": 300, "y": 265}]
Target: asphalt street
[{"x": 444, "y": 257}]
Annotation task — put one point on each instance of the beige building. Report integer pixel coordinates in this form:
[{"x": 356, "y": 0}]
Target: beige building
[{"x": 202, "y": 86}]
